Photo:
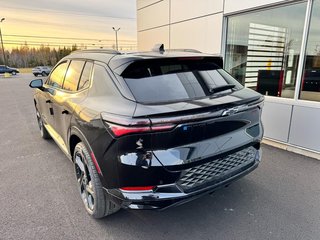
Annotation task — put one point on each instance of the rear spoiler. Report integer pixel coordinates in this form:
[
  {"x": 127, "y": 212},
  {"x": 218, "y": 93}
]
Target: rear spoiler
[{"x": 120, "y": 65}]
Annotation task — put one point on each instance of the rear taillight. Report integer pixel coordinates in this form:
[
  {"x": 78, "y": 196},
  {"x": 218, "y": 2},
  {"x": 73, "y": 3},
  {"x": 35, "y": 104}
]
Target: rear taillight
[
  {"x": 121, "y": 125},
  {"x": 119, "y": 130}
]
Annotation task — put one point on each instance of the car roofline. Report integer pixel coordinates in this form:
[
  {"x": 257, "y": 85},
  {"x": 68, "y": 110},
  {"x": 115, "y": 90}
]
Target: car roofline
[{"x": 117, "y": 60}]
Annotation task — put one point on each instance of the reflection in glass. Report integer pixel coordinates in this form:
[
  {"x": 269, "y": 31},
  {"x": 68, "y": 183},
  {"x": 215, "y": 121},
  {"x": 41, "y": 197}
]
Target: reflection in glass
[
  {"x": 310, "y": 85},
  {"x": 73, "y": 74},
  {"x": 57, "y": 76},
  {"x": 263, "y": 49}
]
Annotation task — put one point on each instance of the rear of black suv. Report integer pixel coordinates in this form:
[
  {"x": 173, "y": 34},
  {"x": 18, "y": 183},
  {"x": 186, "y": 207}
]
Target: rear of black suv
[
  {"x": 149, "y": 130},
  {"x": 194, "y": 129}
]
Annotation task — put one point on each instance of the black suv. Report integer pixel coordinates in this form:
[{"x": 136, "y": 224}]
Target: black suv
[
  {"x": 149, "y": 130},
  {"x": 6, "y": 69}
]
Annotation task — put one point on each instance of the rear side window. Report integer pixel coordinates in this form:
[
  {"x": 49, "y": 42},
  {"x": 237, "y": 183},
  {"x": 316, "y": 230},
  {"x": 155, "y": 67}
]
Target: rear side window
[
  {"x": 73, "y": 75},
  {"x": 102, "y": 84},
  {"x": 57, "y": 76},
  {"x": 85, "y": 77},
  {"x": 171, "y": 80}
]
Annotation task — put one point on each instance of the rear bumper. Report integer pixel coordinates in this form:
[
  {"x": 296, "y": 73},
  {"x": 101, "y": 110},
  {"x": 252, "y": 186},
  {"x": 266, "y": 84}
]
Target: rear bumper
[{"x": 164, "y": 196}]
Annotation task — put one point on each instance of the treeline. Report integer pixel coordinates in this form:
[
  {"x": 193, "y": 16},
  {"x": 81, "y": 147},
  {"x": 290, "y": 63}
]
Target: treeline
[{"x": 27, "y": 57}]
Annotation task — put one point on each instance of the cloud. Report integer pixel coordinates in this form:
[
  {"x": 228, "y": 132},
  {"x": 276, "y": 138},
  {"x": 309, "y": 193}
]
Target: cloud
[
  {"x": 117, "y": 9},
  {"x": 70, "y": 19}
]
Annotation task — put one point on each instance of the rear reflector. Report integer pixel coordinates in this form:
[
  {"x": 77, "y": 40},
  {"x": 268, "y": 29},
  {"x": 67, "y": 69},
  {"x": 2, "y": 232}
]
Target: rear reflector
[
  {"x": 145, "y": 188},
  {"x": 162, "y": 127},
  {"x": 95, "y": 162}
]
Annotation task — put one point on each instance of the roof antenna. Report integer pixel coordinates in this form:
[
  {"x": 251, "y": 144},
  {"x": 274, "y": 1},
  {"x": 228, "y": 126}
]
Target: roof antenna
[{"x": 158, "y": 48}]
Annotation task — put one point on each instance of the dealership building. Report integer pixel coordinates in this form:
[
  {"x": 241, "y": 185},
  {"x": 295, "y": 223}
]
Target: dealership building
[{"x": 270, "y": 46}]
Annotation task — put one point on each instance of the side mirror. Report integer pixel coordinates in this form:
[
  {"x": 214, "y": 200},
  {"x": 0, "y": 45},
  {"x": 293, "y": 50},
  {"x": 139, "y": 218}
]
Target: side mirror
[{"x": 37, "y": 83}]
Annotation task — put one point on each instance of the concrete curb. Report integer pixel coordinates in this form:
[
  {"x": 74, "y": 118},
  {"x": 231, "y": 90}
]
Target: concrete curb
[{"x": 292, "y": 148}]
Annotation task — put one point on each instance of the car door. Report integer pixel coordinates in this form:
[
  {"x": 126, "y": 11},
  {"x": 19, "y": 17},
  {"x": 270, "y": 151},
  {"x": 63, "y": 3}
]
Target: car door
[
  {"x": 71, "y": 94},
  {"x": 46, "y": 98}
]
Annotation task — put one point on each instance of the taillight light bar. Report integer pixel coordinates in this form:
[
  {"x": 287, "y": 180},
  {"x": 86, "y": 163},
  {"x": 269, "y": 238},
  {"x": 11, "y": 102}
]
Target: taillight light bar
[
  {"x": 119, "y": 130},
  {"x": 121, "y": 125},
  {"x": 139, "y": 188}
]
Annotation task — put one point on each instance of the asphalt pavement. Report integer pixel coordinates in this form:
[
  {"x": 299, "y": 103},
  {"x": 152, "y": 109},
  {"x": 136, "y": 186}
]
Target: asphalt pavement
[{"x": 39, "y": 198}]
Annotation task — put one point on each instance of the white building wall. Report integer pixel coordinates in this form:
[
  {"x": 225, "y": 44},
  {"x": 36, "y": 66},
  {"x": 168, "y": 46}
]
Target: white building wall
[
  {"x": 147, "y": 39},
  {"x": 203, "y": 37},
  {"x": 276, "y": 126},
  {"x": 182, "y": 10},
  {"x": 154, "y": 15},
  {"x": 191, "y": 23},
  {"x": 198, "y": 24},
  {"x": 231, "y": 6},
  {"x": 180, "y": 24},
  {"x": 145, "y": 3}
]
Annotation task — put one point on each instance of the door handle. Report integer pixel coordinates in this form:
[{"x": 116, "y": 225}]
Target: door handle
[
  {"x": 48, "y": 101},
  {"x": 65, "y": 112}
]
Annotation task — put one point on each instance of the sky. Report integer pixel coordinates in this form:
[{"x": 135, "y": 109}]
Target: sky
[{"x": 66, "y": 22}]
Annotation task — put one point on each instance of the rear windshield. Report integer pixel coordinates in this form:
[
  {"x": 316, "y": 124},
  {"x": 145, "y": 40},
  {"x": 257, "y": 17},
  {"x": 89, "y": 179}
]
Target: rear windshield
[{"x": 172, "y": 80}]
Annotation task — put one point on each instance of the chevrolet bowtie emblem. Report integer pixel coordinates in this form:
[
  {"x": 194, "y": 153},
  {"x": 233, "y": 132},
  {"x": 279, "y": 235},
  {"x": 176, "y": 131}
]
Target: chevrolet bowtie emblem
[{"x": 230, "y": 111}]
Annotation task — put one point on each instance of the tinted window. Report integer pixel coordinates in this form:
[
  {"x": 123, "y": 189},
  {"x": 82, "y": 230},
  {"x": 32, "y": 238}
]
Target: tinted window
[
  {"x": 57, "y": 76},
  {"x": 102, "y": 83},
  {"x": 85, "y": 77},
  {"x": 73, "y": 75},
  {"x": 174, "y": 80}
]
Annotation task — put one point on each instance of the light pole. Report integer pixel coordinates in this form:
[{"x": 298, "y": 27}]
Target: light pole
[
  {"x": 116, "y": 31},
  {"x": 4, "y": 56}
]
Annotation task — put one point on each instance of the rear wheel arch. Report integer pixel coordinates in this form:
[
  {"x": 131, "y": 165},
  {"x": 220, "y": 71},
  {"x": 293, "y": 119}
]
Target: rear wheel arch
[
  {"x": 77, "y": 136},
  {"x": 74, "y": 140},
  {"x": 97, "y": 202}
]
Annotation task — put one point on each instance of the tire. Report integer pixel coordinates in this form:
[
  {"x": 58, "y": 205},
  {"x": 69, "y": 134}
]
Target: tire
[
  {"x": 43, "y": 131},
  {"x": 36, "y": 75},
  {"x": 96, "y": 202},
  {"x": 14, "y": 73},
  {"x": 44, "y": 74}
]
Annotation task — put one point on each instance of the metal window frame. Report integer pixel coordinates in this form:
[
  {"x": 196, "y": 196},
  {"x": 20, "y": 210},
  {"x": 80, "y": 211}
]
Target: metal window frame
[
  {"x": 290, "y": 101},
  {"x": 302, "y": 57}
]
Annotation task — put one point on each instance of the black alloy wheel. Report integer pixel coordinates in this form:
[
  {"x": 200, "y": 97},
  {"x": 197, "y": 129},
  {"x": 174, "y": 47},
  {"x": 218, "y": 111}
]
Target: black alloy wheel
[
  {"x": 84, "y": 182},
  {"x": 96, "y": 202},
  {"x": 43, "y": 131}
]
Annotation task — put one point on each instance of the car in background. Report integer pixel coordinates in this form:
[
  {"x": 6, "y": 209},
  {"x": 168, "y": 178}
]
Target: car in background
[
  {"x": 41, "y": 71},
  {"x": 149, "y": 130},
  {"x": 6, "y": 69}
]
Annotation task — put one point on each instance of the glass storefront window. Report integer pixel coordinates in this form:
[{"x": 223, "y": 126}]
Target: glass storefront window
[
  {"x": 310, "y": 85},
  {"x": 263, "y": 48}
]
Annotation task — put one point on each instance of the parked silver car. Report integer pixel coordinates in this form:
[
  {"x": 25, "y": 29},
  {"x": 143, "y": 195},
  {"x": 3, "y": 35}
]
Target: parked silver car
[{"x": 41, "y": 71}]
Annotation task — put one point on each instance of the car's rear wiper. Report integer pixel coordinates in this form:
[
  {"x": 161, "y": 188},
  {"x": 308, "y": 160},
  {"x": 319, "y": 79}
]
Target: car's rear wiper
[{"x": 221, "y": 88}]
